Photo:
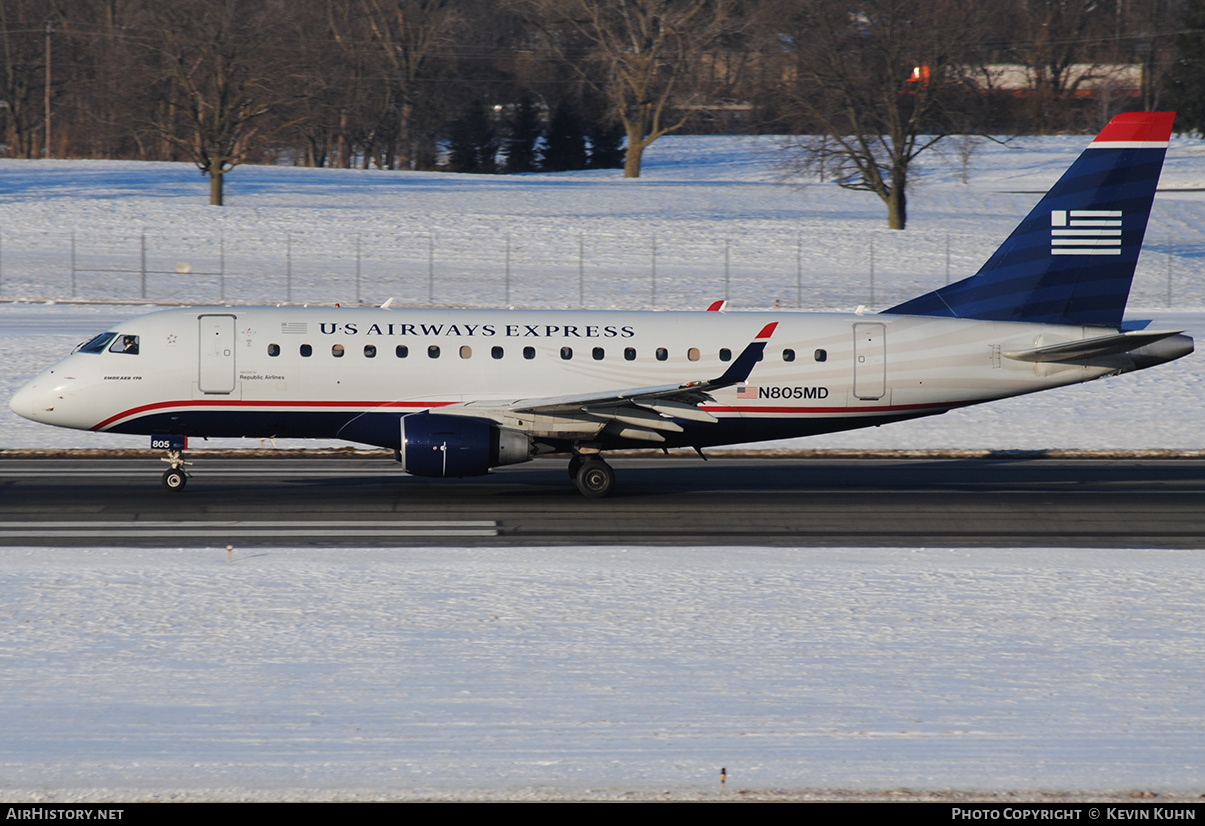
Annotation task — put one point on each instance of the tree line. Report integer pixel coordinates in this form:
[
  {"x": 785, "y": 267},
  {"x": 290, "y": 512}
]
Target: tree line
[{"x": 522, "y": 85}]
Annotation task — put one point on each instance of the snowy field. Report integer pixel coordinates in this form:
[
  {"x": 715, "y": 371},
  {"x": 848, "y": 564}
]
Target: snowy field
[{"x": 520, "y": 673}]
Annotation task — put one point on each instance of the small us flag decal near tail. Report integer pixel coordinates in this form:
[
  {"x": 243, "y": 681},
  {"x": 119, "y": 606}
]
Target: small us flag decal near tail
[
  {"x": 746, "y": 392},
  {"x": 1085, "y": 232}
]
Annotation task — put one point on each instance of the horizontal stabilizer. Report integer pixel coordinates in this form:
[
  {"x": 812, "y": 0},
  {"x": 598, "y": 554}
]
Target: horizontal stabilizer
[{"x": 1092, "y": 347}]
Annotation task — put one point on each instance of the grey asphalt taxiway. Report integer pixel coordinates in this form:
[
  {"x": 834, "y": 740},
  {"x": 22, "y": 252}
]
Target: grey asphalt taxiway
[{"x": 366, "y": 501}]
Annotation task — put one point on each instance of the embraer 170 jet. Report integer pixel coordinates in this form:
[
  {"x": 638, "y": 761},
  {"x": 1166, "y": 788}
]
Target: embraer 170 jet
[{"x": 456, "y": 392}]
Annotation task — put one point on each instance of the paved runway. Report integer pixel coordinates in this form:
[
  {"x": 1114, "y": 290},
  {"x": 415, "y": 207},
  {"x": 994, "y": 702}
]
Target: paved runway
[{"x": 782, "y": 502}]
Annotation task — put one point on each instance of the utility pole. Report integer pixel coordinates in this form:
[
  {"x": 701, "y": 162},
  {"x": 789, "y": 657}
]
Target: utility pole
[{"x": 46, "y": 102}]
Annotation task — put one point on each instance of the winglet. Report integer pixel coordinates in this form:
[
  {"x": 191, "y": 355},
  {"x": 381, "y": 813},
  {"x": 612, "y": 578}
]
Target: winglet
[
  {"x": 718, "y": 306},
  {"x": 751, "y": 355}
]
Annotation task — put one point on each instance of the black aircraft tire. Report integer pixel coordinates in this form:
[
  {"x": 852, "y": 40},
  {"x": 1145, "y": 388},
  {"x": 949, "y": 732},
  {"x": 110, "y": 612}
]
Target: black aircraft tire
[
  {"x": 575, "y": 464},
  {"x": 595, "y": 479},
  {"x": 174, "y": 479}
]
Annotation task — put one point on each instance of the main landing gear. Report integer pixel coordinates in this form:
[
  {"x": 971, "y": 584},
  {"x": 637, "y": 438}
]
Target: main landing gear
[{"x": 593, "y": 477}]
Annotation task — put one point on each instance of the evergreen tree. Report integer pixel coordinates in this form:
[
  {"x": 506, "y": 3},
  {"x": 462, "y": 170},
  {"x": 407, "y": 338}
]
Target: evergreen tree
[
  {"x": 1185, "y": 83},
  {"x": 606, "y": 145},
  {"x": 473, "y": 142},
  {"x": 526, "y": 128},
  {"x": 565, "y": 143}
]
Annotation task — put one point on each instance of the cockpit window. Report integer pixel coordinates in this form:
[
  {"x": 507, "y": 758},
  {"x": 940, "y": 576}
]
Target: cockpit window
[
  {"x": 98, "y": 344},
  {"x": 125, "y": 344}
]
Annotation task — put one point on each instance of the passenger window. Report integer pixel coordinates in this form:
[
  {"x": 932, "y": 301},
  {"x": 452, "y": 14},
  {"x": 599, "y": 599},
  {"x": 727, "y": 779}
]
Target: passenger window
[
  {"x": 402, "y": 351},
  {"x": 466, "y": 351},
  {"x": 306, "y": 351},
  {"x": 337, "y": 351},
  {"x": 725, "y": 354},
  {"x": 433, "y": 351},
  {"x": 496, "y": 352},
  {"x": 529, "y": 353},
  {"x": 662, "y": 354},
  {"x": 566, "y": 353},
  {"x": 598, "y": 354},
  {"x": 125, "y": 344},
  {"x": 370, "y": 351},
  {"x": 693, "y": 354},
  {"x": 629, "y": 353},
  {"x": 788, "y": 355},
  {"x": 822, "y": 355},
  {"x": 274, "y": 350}
]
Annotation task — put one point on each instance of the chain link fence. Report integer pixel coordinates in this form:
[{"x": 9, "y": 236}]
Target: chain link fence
[{"x": 810, "y": 269}]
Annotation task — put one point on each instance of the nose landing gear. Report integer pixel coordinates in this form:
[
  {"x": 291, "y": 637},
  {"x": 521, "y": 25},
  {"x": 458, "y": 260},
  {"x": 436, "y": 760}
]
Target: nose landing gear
[{"x": 175, "y": 477}]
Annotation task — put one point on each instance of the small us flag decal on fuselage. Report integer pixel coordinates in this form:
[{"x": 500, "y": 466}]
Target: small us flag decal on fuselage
[
  {"x": 1085, "y": 232},
  {"x": 746, "y": 392}
]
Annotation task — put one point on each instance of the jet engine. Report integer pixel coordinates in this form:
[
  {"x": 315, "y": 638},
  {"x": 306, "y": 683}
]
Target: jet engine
[{"x": 440, "y": 445}]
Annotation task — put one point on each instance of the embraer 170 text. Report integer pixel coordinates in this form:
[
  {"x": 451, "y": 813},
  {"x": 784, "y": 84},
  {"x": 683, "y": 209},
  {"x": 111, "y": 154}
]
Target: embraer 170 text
[{"x": 457, "y": 392}]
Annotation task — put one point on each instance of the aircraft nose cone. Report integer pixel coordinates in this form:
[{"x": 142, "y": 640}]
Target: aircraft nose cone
[{"x": 30, "y": 402}]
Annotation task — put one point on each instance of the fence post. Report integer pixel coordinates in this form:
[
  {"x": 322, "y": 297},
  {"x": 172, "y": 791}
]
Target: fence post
[
  {"x": 947, "y": 259},
  {"x": 581, "y": 270},
  {"x": 73, "y": 263},
  {"x": 871, "y": 272},
  {"x": 799, "y": 271},
  {"x": 654, "y": 273},
  {"x": 358, "y": 299},
  {"x": 1, "y": 264},
  {"x": 222, "y": 266},
  {"x": 289, "y": 267},
  {"x": 507, "y": 302},
  {"x": 430, "y": 268},
  {"x": 727, "y": 281},
  {"x": 1169, "y": 273},
  {"x": 143, "y": 265}
]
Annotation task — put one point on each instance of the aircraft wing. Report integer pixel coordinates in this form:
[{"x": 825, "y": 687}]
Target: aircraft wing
[
  {"x": 688, "y": 393},
  {"x": 638, "y": 412}
]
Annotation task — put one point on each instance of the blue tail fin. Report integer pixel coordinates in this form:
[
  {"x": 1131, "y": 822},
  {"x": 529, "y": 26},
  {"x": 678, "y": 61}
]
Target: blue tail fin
[{"x": 1072, "y": 259}]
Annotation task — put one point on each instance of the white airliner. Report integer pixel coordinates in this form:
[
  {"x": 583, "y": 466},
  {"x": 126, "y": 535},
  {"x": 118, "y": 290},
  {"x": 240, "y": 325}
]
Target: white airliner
[{"x": 457, "y": 392}]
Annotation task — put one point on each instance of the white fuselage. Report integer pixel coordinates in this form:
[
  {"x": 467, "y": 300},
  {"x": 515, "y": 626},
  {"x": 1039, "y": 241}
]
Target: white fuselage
[{"x": 233, "y": 371}]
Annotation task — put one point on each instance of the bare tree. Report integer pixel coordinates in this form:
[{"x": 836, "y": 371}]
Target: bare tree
[
  {"x": 1062, "y": 44},
  {"x": 409, "y": 34},
  {"x": 219, "y": 79},
  {"x": 876, "y": 84},
  {"x": 635, "y": 54},
  {"x": 22, "y": 75}
]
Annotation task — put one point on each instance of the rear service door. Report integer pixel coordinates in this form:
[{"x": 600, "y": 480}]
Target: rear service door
[
  {"x": 870, "y": 360},
  {"x": 216, "y": 372}
]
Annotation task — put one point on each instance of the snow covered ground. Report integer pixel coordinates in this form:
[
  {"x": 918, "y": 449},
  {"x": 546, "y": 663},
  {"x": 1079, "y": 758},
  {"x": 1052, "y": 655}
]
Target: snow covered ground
[
  {"x": 602, "y": 672},
  {"x": 519, "y": 673}
]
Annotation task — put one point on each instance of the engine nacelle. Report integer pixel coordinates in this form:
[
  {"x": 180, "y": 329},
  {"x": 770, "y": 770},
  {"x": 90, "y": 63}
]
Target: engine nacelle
[{"x": 441, "y": 445}]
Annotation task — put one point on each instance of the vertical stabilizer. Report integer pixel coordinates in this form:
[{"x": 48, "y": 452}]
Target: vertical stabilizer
[{"x": 1071, "y": 261}]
